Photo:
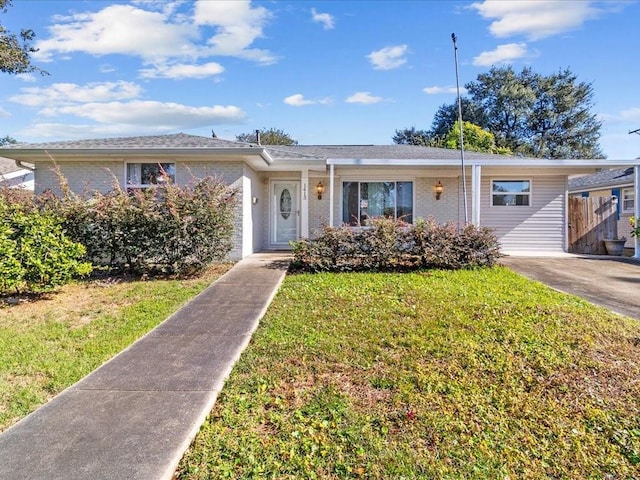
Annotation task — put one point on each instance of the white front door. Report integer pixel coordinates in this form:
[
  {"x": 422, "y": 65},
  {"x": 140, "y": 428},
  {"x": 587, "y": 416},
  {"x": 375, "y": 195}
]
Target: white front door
[{"x": 285, "y": 212}]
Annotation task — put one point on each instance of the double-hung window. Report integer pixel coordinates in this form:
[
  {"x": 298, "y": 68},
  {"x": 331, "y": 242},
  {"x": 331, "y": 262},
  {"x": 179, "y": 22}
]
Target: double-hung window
[
  {"x": 511, "y": 193},
  {"x": 628, "y": 200},
  {"x": 145, "y": 175},
  {"x": 362, "y": 201}
]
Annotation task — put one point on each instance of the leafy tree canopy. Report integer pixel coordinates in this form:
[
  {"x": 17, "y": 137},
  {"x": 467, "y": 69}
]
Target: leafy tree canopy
[
  {"x": 15, "y": 50},
  {"x": 7, "y": 140},
  {"x": 271, "y": 136},
  {"x": 475, "y": 139},
  {"x": 411, "y": 136},
  {"x": 528, "y": 113}
]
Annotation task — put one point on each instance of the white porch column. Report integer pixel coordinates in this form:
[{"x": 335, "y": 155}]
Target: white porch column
[
  {"x": 636, "y": 206},
  {"x": 476, "y": 176},
  {"x": 331, "y": 181},
  {"x": 304, "y": 205}
]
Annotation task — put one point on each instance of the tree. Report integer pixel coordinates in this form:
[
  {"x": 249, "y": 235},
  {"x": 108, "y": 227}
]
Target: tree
[
  {"x": 561, "y": 125},
  {"x": 15, "y": 51},
  {"x": 271, "y": 136},
  {"x": 411, "y": 136},
  {"x": 529, "y": 113},
  {"x": 475, "y": 139},
  {"x": 7, "y": 140},
  {"x": 447, "y": 116},
  {"x": 507, "y": 100}
]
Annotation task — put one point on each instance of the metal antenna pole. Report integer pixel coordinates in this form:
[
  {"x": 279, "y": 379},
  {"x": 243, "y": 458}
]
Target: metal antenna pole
[{"x": 464, "y": 176}]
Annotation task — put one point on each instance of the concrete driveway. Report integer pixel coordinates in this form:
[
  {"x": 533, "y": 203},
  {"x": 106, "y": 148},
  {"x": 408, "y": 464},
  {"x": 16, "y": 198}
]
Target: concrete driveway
[{"x": 612, "y": 282}]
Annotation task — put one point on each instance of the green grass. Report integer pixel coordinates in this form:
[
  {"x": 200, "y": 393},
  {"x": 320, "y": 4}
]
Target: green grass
[
  {"x": 466, "y": 374},
  {"x": 48, "y": 344}
]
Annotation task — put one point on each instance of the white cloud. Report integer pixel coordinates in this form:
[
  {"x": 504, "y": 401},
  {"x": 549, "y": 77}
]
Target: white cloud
[
  {"x": 535, "y": 19},
  {"x": 169, "y": 116},
  {"x": 26, "y": 77},
  {"x": 238, "y": 25},
  {"x": 69, "y": 93},
  {"x": 436, "y": 90},
  {"x": 119, "y": 29},
  {"x": 4, "y": 113},
  {"x": 389, "y": 57},
  {"x": 363, "y": 97},
  {"x": 159, "y": 34},
  {"x": 62, "y": 131},
  {"x": 630, "y": 115},
  {"x": 298, "y": 100},
  {"x": 325, "y": 19},
  {"x": 502, "y": 54},
  {"x": 183, "y": 70}
]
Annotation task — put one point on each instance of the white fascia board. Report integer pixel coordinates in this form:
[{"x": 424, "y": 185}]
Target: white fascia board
[
  {"x": 488, "y": 162},
  {"x": 84, "y": 153}
]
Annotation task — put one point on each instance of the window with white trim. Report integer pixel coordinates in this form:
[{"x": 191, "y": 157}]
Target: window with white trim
[
  {"x": 628, "y": 200},
  {"x": 145, "y": 175},
  {"x": 510, "y": 193},
  {"x": 362, "y": 201}
]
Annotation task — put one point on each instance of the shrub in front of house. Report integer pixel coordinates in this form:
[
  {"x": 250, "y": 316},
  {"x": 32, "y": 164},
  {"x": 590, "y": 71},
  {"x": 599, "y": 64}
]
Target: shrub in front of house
[
  {"x": 388, "y": 244},
  {"x": 174, "y": 229},
  {"x": 36, "y": 255}
]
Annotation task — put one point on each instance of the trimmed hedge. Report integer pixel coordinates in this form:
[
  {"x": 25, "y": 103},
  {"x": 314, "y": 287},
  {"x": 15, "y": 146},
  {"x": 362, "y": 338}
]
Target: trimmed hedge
[
  {"x": 177, "y": 230},
  {"x": 394, "y": 245}
]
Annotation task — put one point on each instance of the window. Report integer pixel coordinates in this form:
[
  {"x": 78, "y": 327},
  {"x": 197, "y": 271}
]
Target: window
[
  {"x": 364, "y": 200},
  {"x": 628, "y": 200},
  {"x": 150, "y": 174},
  {"x": 511, "y": 192}
]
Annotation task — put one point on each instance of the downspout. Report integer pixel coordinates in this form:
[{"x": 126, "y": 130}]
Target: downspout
[{"x": 19, "y": 164}]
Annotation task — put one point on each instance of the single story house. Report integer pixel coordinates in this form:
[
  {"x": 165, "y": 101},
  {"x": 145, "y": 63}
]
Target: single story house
[
  {"x": 290, "y": 192},
  {"x": 618, "y": 183}
]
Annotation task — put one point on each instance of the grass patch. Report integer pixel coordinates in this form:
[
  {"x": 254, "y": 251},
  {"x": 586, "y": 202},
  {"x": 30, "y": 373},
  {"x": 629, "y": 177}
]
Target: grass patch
[
  {"x": 50, "y": 343},
  {"x": 457, "y": 374}
]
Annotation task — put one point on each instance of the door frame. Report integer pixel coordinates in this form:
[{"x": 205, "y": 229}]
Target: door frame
[{"x": 273, "y": 205}]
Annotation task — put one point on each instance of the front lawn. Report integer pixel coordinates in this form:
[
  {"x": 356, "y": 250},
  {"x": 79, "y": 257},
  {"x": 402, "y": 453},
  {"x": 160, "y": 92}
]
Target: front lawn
[
  {"x": 50, "y": 343},
  {"x": 444, "y": 374}
]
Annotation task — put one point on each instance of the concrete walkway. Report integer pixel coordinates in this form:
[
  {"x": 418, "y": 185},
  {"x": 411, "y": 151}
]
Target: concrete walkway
[
  {"x": 134, "y": 417},
  {"x": 611, "y": 282}
]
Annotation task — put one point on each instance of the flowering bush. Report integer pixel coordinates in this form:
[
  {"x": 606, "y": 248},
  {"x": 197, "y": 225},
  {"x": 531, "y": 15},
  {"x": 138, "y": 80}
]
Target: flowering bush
[
  {"x": 394, "y": 245},
  {"x": 174, "y": 229}
]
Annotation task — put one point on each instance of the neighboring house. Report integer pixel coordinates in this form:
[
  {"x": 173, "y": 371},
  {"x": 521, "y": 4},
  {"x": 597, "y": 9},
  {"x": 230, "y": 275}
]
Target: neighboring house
[
  {"x": 291, "y": 192},
  {"x": 618, "y": 183},
  {"x": 11, "y": 175}
]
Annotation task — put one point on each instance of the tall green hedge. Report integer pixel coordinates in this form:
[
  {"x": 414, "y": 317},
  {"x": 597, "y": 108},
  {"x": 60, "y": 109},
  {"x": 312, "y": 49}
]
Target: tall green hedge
[{"x": 35, "y": 253}]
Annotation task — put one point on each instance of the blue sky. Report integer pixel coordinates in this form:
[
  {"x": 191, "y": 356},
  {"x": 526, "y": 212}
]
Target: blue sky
[{"x": 327, "y": 72}]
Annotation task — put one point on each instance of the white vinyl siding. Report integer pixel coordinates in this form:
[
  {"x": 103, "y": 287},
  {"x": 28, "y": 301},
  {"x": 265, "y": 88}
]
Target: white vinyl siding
[{"x": 537, "y": 228}]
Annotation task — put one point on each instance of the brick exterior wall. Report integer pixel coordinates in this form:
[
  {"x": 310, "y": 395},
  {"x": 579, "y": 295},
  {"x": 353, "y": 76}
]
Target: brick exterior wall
[
  {"x": 104, "y": 175},
  {"x": 81, "y": 176}
]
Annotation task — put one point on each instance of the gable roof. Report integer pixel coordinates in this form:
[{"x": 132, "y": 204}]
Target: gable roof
[
  {"x": 398, "y": 152},
  {"x": 173, "y": 141},
  {"x": 285, "y": 157},
  {"x": 603, "y": 179}
]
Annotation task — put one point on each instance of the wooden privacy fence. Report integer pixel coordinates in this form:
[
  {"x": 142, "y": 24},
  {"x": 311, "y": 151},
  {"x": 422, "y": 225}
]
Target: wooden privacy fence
[{"x": 591, "y": 220}]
